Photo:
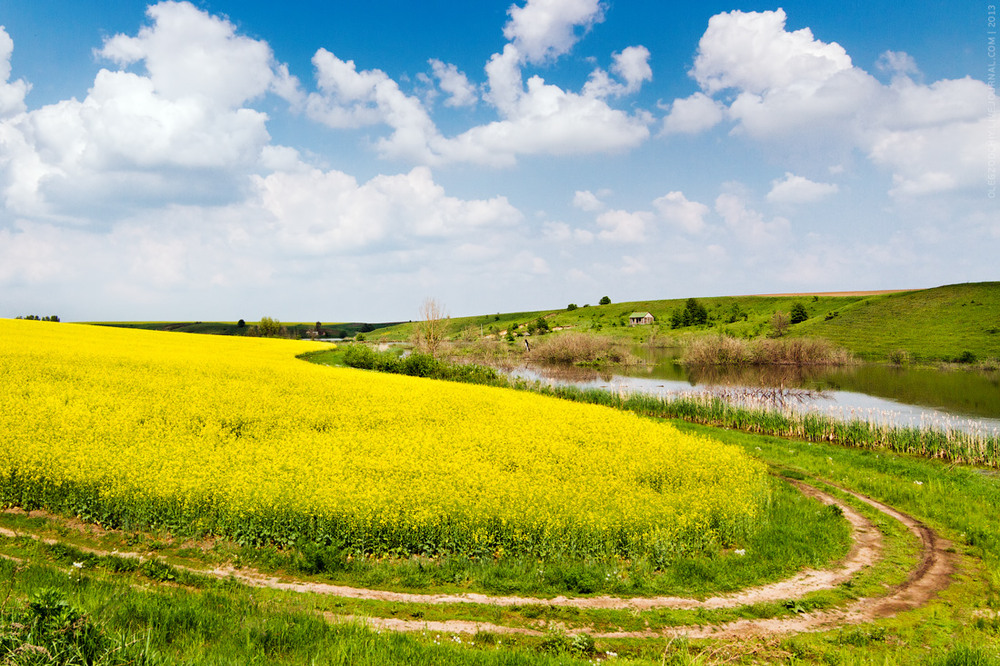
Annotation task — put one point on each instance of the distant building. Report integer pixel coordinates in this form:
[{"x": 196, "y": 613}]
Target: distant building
[{"x": 640, "y": 318}]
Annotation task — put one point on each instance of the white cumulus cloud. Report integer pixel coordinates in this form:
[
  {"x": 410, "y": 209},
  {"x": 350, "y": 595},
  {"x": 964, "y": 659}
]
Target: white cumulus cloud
[
  {"x": 749, "y": 225},
  {"x": 794, "y": 189},
  {"x": 687, "y": 215},
  {"x": 11, "y": 92},
  {"x": 546, "y": 29},
  {"x": 790, "y": 86},
  {"x": 693, "y": 114},
  {"x": 318, "y": 212},
  {"x": 621, "y": 226},
  {"x": 150, "y": 134},
  {"x": 587, "y": 201},
  {"x": 455, "y": 83}
]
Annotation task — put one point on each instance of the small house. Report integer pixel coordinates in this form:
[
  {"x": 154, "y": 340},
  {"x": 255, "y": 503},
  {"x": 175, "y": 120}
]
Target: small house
[{"x": 640, "y": 318}]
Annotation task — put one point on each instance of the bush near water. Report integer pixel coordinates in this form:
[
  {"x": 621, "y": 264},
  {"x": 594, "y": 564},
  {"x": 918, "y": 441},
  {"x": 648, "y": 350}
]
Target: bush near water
[{"x": 237, "y": 437}]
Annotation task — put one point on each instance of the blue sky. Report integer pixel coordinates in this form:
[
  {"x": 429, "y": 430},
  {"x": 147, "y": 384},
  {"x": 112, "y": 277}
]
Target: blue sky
[{"x": 345, "y": 161}]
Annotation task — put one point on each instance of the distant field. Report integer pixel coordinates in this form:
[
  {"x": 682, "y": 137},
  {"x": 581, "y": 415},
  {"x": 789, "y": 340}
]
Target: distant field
[
  {"x": 839, "y": 293},
  {"x": 294, "y": 329},
  {"x": 950, "y": 323}
]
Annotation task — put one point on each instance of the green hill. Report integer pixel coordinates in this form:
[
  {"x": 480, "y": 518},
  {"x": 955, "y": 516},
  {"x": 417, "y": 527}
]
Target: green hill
[
  {"x": 952, "y": 323},
  {"x": 955, "y": 322}
]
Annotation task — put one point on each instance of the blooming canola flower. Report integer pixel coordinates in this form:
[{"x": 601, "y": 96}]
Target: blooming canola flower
[{"x": 236, "y": 436}]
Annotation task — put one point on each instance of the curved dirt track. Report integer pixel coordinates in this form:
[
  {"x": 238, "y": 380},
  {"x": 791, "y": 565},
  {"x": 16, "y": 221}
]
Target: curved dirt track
[
  {"x": 931, "y": 575},
  {"x": 866, "y": 549}
]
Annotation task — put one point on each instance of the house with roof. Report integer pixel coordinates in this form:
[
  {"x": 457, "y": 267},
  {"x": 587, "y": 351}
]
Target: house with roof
[{"x": 640, "y": 318}]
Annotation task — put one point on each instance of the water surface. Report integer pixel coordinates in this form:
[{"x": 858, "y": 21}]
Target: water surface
[{"x": 961, "y": 399}]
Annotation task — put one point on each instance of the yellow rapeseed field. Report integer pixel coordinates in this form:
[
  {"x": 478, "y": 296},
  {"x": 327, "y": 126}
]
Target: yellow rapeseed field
[{"x": 236, "y": 436}]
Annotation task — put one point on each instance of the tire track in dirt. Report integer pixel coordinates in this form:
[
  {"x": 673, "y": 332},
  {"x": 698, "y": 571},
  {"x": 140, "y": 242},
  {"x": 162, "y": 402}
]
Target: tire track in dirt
[
  {"x": 929, "y": 577},
  {"x": 866, "y": 550},
  {"x": 932, "y": 575}
]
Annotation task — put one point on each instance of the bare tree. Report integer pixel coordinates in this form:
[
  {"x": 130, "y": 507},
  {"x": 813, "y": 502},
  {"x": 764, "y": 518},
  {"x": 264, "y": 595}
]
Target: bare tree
[
  {"x": 429, "y": 332},
  {"x": 779, "y": 323}
]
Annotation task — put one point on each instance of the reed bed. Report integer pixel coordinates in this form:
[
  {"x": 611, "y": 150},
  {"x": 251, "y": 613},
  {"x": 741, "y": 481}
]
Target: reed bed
[
  {"x": 764, "y": 412},
  {"x": 725, "y": 350},
  {"x": 581, "y": 349}
]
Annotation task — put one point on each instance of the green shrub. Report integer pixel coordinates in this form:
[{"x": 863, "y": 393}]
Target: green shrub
[
  {"x": 899, "y": 357},
  {"x": 49, "y": 630},
  {"x": 966, "y": 357}
]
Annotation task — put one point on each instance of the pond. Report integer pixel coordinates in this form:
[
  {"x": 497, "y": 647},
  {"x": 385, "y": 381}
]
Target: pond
[{"x": 958, "y": 399}]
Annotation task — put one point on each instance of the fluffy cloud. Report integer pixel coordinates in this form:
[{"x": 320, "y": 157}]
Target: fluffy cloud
[
  {"x": 620, "y": 226},
  {"x": 693, "y": 114},
  {"x": 544, "y": 119},
  {"x": 752, "y": 52},
  {"x": 897, "y": 62},
  {"x": 631, "y": 65},
  {"x": 749, "y": 225},
  {"x": 675, "y": 208},
  {"x": 189, "y": 53},
  {"x": 318, "y": 212},
  {"x": 455, "y": 83},
  {"x": 560, "y": 232},
  {"x": 587, "y": 201},
  {"x": 11, "y": 92},
  {"x": 152, "y": 135},
  {"x": 537, "y": 118},
  {"x": 790, "y": 86},
  {"x": 794, "y": 189},
  {"x": 547, "y": 29},
  {"x": 547, "y": 120},
  {"x": 350, "y": 98}
]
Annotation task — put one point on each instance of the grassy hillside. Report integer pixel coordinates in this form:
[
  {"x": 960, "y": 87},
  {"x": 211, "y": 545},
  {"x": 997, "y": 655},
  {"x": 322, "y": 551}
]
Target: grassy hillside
[
  {"x": 956, "y": 322},
  {"x": 741, "y": 316},
  {"x": 951, "y": 323}
]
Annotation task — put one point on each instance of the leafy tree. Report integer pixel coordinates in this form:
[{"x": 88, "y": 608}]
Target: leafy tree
[
  {"x": 695, "y": 314},
  {"x": 798, "y": 313},
  {"x": 735, "y": 314},
  {"x": 605, "y": 301},
  {"x": 571, "y": 307},
  {"x": 269, "y": 328},
  {"x": 539, "y": 326},
  {"x": 241, "y": 324}
]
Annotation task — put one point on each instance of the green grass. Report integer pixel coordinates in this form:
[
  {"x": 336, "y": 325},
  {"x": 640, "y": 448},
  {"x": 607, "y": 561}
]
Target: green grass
[
  {"x": 797, "y": 532},
  {"x": 934, "y": 324},
  {"x": 950, "y": 323},
  {"x": 227, "y": 624},
  {"x": 153, "y": 619}
]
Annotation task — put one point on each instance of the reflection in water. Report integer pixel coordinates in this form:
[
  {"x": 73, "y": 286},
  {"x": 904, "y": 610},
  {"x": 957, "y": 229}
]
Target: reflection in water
[
  {"x": 924, "y": 398},
  {"x": 772, "y": 376}
]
